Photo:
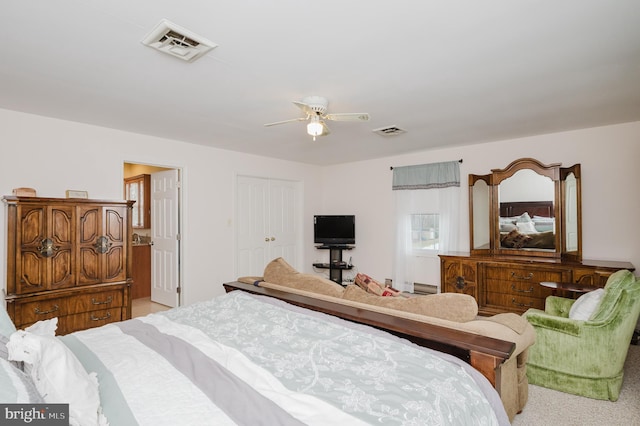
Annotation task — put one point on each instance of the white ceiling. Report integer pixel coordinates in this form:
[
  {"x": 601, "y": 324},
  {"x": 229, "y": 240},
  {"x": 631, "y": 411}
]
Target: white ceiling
[{"x": 447, "y": 72}]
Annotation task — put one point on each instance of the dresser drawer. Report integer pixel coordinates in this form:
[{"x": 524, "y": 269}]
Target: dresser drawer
[
  {"x": 30, "y": 310},
  {"x": 514, "y": 303},
  {"x": 521, "y": 288},
  {"x": 81, "y": 321},
  {"x": 523, "y": 274}
]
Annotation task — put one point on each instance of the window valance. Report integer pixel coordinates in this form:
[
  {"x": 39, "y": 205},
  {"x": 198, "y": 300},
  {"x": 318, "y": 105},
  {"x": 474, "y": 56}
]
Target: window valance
[{"x": 427, "y": 176}]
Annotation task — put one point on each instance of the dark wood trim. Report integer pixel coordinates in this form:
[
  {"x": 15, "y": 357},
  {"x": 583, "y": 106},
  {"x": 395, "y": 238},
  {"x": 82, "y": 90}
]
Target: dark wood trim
[{"x": 486, "y": 354}]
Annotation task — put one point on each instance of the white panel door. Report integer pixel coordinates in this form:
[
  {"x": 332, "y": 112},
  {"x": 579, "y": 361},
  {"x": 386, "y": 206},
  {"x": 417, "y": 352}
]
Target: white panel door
[
  {"x": 165, "y": 237},
  {"x": 266, "y": 223},
  {"x": 283, "y": 221},
  {"x": 251, "y": 225}
]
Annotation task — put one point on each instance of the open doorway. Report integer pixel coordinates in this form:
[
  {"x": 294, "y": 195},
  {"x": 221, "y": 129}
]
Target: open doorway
[{"x": 156, "y": 224}]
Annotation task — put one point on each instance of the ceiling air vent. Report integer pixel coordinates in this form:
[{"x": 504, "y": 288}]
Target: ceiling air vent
[
  {"x": 389, "y": 131},
  {"x": 176, "y": 41}
]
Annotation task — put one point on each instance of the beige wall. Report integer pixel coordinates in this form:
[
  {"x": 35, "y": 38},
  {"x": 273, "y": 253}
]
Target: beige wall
[
  {"x": 609, "y": 158},
  {"x": 54, "y": 155}
]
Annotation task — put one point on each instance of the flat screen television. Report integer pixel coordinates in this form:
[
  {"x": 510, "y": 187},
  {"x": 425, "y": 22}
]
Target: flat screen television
[{"x": 334, "y": 230}]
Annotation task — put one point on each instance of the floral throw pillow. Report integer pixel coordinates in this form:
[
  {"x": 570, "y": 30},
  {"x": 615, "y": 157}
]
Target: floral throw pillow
[{"x": 370, "y": 285}]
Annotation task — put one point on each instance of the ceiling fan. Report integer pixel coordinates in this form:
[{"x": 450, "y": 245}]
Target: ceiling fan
[{"x": 315, "y": 108}]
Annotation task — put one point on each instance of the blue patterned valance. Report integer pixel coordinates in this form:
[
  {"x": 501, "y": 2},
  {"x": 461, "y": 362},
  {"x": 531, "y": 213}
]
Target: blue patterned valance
[{"x": 427, "y": 176}]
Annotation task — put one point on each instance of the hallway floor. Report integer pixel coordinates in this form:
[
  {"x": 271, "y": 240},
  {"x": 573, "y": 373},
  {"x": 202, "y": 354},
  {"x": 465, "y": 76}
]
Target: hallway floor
[{"x": 144, "y": 306}]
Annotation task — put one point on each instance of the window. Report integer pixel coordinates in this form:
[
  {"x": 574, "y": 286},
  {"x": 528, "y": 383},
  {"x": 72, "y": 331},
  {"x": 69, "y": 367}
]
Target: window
[{"x": 425, "y": 231}]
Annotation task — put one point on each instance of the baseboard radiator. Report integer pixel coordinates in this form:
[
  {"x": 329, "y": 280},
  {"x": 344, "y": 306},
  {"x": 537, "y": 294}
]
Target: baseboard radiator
[{"x": 419, "y": 288}]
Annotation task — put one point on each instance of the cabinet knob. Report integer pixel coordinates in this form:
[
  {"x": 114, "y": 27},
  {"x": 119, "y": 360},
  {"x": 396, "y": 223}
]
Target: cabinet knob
[
  {"x": 102, "y": 245},
  {"x": 273, "y": 238},
  {"x": 460, "y": 284},
  {"x": 47, "y": 248},
  {"x": 266, "y": 239}
]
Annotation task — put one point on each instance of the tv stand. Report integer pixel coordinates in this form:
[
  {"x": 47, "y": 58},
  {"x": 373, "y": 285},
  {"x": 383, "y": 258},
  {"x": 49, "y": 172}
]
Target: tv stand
[{"x": 336, "y": 265}]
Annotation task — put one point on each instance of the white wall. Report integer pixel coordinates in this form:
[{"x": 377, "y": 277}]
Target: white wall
[
  {"x": 53, "y": 155},
  {"x": 610, "y": 163}
]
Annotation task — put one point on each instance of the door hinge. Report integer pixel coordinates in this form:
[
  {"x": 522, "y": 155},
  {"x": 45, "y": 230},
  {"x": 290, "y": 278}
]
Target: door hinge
[
  {"x": 178, "y": 237},
  {"x": 178, "y": 290}
]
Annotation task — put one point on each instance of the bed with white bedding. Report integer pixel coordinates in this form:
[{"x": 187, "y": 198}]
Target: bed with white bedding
[{"x": 252, "y": 360}]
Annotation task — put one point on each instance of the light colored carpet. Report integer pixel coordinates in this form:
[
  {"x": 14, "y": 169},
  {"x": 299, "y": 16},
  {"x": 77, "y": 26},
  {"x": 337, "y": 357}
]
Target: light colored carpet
[{"x": 550, "y": 407}]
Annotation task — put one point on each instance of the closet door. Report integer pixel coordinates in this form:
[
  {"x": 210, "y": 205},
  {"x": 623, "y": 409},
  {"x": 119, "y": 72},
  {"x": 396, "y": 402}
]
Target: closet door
[
  {"x": 267, "y": 223},
  {"x": 283, "y": 221}
]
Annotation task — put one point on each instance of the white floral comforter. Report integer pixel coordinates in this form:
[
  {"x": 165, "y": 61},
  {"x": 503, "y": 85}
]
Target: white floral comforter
[{"x": 243, "y": 359}]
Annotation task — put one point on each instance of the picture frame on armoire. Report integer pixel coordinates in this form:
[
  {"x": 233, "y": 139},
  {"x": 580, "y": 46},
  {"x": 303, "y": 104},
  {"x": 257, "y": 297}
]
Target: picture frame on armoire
[{"x": 72, "y": 193}]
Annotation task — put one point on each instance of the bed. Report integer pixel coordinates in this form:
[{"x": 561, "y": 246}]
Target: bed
[
  {"x": 527, "y": 225},
  {"x": 244, "y": 359}
]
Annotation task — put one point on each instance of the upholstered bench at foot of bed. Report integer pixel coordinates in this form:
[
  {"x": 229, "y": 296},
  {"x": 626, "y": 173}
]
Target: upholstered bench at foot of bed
[{"x": 451, "y": 310}]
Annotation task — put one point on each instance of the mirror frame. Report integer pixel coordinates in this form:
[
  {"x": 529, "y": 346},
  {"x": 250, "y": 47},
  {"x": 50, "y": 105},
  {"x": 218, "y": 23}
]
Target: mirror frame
[{"x": 562, "y": 196}]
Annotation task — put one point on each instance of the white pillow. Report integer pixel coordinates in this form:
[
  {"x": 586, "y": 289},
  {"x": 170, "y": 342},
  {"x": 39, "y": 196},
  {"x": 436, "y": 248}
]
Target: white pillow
[
  {"x": 585, "y": 306},
  {"x": 58, "y": 375},
  {"x": 526, "y": 227}
]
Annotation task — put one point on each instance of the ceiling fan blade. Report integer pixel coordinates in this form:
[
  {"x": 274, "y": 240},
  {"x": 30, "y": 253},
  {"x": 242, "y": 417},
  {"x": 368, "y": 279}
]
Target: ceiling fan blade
[
  {"x": 286, "y": 121},
  {"x": 304, "y": 107},
  {"x": 348, "y": 116}
]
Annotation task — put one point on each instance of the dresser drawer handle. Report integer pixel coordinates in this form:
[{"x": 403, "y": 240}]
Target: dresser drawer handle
[
  {"x": 39, "y": 312},
  {"x": 106, "y": 302},
  {"x": 460, "y": 284},
  {"x": 94, "y": 318},
  {"x": 522, "y": 277},
  {"x": 522, "y": 305},
  {"x": 517, "y": 290}
]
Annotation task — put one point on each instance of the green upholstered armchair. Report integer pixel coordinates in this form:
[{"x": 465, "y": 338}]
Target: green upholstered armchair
[{"x": 585, "y": 357}]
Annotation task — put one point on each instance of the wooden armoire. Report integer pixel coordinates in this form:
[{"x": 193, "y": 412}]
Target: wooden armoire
[{"x": 68, "y": 258}]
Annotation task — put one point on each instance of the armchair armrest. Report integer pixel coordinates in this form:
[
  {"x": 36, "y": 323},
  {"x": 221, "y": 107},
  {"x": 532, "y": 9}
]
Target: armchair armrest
[
  {"x": 538, "y": 318},
  {"x": 558, "y": 306}
]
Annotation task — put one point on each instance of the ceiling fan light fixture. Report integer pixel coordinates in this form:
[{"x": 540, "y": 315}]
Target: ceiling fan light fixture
[{"x": 315, "y": 128}]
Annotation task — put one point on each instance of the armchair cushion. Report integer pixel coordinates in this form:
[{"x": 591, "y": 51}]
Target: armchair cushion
[
  {"x": 586, "y": 305},
  {"x": 617, "y": 282}
]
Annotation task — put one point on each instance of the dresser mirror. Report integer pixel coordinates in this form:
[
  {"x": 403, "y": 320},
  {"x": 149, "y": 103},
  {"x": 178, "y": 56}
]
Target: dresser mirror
[{"x": 526, "y": 209}]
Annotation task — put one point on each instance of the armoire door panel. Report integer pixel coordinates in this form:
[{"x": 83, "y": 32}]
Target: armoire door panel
[
  {"x": 62, "y": 230},
  {"x": 62, "y": 269},
  {"x": 114, "y": 267},
  {"x": 32, "y": 226},
  {"x": 89, "y": 266},
  {"x": 89, "y": 225},
  {"x": 114, "y": 225},
  {"x": 32, "y": 274}
]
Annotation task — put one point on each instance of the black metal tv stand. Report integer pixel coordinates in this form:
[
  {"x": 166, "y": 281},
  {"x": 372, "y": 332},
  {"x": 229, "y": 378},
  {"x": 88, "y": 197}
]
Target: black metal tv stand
[{"x": 336, "y": 265}]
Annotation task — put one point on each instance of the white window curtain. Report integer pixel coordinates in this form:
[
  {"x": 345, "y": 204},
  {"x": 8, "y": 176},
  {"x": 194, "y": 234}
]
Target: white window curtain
[{"x": 426, "y": 188}]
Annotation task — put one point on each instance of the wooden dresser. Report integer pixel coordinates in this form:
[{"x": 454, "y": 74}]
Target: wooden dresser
[
  {"x": 68, "y": 258},
  {"x": 525, "y": 227},
  {"x": 513, "y": 284}
]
